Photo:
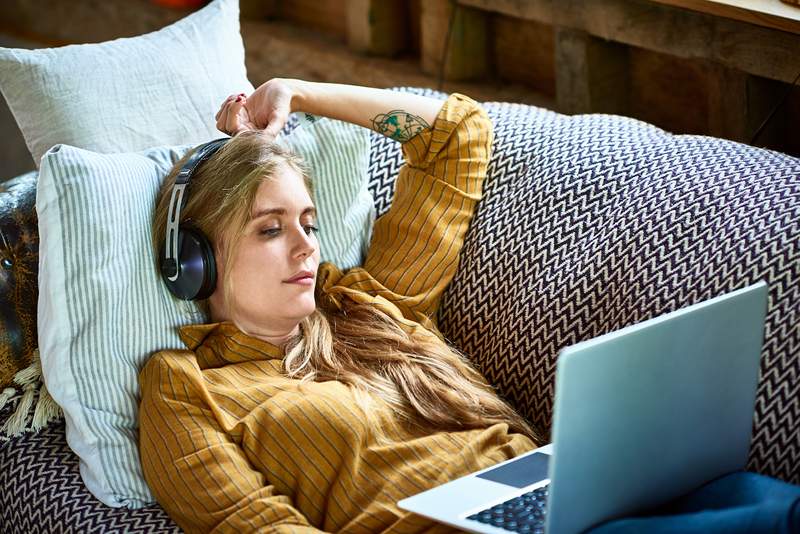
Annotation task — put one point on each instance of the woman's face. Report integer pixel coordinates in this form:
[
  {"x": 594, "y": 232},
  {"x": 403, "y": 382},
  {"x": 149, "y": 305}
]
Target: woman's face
[{"x": 275, "y": 265}]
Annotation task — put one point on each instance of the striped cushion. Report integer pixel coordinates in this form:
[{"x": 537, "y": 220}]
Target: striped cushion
[{"x": 102, "y": 307}]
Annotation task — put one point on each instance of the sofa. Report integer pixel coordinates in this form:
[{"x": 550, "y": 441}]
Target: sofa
[{"x": 588, "y": 223}]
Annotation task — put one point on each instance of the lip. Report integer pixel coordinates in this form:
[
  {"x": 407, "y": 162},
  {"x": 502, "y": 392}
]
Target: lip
[{"x": 305, "y": 278}]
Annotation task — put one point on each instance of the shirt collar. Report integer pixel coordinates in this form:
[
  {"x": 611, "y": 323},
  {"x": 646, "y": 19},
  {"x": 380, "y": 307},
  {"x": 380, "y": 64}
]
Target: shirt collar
[{"x": 220, "y": 343}]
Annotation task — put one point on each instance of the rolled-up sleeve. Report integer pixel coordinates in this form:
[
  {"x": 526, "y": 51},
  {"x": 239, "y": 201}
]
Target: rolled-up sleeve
[{"x": 415, "y": 245}]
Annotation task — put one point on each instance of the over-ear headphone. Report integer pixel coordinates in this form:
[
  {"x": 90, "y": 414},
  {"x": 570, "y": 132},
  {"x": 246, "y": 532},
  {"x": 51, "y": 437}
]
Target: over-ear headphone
[{"x": 187, "y": 257}]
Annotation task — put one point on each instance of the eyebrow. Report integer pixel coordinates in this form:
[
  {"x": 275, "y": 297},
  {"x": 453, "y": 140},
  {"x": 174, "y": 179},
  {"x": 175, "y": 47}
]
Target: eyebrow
[{"x": 282, "y": 211}]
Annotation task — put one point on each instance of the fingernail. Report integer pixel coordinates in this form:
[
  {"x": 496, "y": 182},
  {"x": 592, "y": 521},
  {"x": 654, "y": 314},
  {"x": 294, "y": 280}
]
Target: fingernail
[{"x": 238, "y": 98}]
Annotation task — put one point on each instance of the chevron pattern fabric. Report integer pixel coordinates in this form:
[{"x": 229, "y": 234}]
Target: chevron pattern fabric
[
  {"x": 41, "y": 491},
  {"x": 592, "y": 223},
  {"x": 588, "y": 224}
]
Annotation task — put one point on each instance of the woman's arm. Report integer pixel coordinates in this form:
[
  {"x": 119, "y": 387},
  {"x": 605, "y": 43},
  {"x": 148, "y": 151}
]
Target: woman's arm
[
  {"x": 198, "y": 474},
  {"x": 400, "y": 116},
  {"x": 415, "y": 246}
]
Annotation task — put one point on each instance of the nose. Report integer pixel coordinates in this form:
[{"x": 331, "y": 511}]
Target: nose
[{"x": 304, "y": 244}]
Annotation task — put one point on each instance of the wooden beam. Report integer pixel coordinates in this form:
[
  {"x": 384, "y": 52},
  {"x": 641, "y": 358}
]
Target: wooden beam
[
  {"x": 524, "y": 51},
  {"x": 538, "y": 10},
  {"x": 467, "y": 51},
  {"x": 592, "y": 75},
  {"x": 653, "y": 26},
  {"x": 279, "y": 49},
  {"x": 766, "y": 13},
  {"x": 669, "y": 92},
  {"x": 762, "y": 98},
  {"x": 727, "y": 103},
  {"x": 327, "y": 16},
  {"x": 258, "y": 9},
  {"x": 378, "y": 27},
  {"x": 83, "y": 22}
]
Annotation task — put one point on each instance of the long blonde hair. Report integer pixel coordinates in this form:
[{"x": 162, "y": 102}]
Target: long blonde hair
[{"x": 426, "y": 383}]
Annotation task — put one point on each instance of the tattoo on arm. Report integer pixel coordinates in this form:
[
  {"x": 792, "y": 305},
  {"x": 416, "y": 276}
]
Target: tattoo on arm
[{"x": 399, "y": 125}]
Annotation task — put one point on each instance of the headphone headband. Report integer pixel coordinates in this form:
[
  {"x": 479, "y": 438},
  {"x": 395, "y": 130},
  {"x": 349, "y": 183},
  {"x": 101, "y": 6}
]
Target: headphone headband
[
  {"x": 172, "y": 264},
  {"x": 200, "y": 154}
]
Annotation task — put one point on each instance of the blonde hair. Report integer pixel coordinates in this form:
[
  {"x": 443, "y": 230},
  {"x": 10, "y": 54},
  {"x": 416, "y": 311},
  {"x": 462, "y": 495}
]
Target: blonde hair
[{"x": 426, "y": 383}]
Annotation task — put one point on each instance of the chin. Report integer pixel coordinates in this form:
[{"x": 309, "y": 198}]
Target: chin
[
  {"x": 307, "y": 312},
  {"x": 303, "y": 309}
]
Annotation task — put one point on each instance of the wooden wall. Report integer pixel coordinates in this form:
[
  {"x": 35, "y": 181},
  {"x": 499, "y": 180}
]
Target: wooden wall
[
  {"x": 327, "y": 16},
  {"x": 682, "y": 83},
  {"x": 569, "y": 55}
]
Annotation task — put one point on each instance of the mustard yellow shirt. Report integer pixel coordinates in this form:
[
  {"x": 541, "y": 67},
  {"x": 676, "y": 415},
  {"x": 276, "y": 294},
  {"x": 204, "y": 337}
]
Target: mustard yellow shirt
[{"x": 228, "y": 443}]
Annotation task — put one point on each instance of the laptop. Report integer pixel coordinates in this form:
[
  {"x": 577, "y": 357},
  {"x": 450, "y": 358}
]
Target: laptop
[{"x": 641, "y": 416}]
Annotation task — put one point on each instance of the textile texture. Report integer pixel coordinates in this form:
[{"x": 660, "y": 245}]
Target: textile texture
[
  {"x": 738, "y": 503},
  {"x": 41, "y": 491},
  {"x": 594, "y": 222},
  {"x": 160, "y": 88}
]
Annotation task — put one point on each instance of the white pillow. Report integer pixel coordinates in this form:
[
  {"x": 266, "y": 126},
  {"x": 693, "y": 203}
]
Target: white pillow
[
  {"x": 102, "y": 307},
  {"x": 129, "y": 94}
]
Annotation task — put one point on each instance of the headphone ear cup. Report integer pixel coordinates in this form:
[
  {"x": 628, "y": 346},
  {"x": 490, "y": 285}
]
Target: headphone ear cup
[{"x": 197, "y": 276}]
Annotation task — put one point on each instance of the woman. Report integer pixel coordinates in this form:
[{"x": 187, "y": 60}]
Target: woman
[{"x": 317, "y": 399}]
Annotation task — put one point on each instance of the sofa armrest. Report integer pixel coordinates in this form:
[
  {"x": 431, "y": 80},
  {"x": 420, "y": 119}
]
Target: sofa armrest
[{"x": 19, "y": 267}]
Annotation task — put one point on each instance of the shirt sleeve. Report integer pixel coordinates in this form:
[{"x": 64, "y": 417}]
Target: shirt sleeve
[
  {"x": 198, "y": 474},
  {"x": 415, "y": 245}
]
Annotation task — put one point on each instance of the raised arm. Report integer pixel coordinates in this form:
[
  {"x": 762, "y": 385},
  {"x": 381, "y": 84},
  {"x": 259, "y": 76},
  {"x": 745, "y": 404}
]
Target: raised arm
[
  {"x": 416, "y": 245},
  {"x": 397, "y": 115},
  {"x": 199, "y": 475}
]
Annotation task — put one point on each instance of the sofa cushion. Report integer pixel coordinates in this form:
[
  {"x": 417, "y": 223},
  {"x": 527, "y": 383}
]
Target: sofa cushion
[
  {"x": 41, "y": 491},
  {"x": 591, "y": 223}
]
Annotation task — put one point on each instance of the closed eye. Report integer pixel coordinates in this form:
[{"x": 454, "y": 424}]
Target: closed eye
[{"x": 273, "y": 232}]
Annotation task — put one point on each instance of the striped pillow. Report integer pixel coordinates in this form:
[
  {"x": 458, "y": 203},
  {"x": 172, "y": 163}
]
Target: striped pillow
[{"x": 102, "y": 306}]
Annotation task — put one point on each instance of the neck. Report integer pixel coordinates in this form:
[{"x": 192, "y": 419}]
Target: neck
[
  {"x": 277, "y": 334},
  {"x": 279, "y": 339}
]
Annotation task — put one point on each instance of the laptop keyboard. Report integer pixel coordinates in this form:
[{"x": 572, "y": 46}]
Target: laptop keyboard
[{"x": 520, "y": 514}]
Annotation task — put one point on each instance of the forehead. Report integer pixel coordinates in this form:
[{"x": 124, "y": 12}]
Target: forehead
[{"x": 285, "y": 189}]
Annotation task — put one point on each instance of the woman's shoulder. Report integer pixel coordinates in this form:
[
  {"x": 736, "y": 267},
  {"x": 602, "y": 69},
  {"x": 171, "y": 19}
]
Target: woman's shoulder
[{"x": 166, "y": 362}]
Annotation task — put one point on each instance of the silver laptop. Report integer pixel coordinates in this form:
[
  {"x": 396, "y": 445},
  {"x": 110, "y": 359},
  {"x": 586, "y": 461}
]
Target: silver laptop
[{"x": 641, "y": 416}]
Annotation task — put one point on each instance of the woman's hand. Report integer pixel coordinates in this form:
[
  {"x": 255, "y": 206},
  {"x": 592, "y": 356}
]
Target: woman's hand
[
  {"x": 232, "y": 117},
  {"x": 270, "y": 105},
  {"x": 266, "y": 109},
  {"x": 400, "y": 116}
]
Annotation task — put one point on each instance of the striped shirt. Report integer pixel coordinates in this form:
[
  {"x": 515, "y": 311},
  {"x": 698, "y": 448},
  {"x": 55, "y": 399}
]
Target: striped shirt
[{"x": 230, "y": 444}]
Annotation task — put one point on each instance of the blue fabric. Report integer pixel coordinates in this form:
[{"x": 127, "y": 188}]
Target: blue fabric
[{"x": 741, "y": 502}]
